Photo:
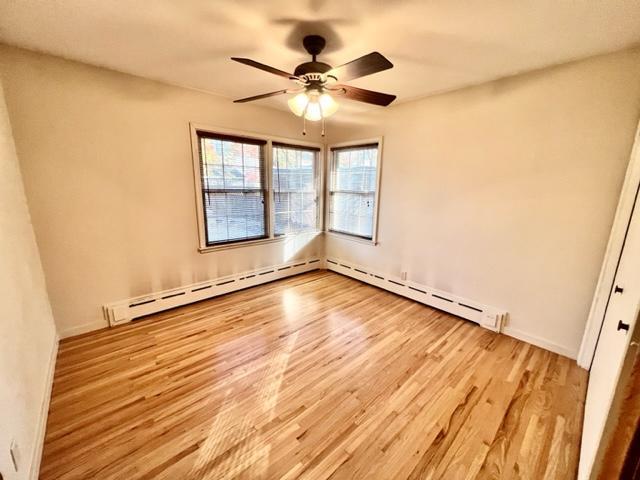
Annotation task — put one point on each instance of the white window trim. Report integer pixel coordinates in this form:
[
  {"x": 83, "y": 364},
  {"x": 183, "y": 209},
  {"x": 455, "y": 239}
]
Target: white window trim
[
  {"x": 376, "y": 210},
  {"x": 268, "y": 166}
]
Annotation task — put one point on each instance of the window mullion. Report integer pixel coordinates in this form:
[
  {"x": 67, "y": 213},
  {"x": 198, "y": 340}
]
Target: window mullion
[{"x": 269, "y": 192}]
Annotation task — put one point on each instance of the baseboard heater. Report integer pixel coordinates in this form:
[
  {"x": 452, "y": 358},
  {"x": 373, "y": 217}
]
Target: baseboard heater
[
  {"x": 124, "y": 311},
  {"x": 485, "y": 315}
]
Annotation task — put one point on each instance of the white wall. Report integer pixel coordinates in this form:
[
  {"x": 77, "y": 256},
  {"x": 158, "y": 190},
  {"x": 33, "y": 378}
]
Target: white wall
[
  {"x": 505, "y": 193},
  {"x": 28, "y": 340},
  {"x": 108, "y": 172}
]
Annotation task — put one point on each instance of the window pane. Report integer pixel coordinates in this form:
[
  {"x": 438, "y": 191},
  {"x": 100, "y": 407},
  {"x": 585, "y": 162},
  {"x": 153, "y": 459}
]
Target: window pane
[
  {"x": 352, "y": 190},
  {"x": 234, "y": 216},
  {"x": 352, "y": 213},
  {"x": 294, "y": 189},
  {"x": 233, "y": 189},
  {"x": 354, "y": 170}
]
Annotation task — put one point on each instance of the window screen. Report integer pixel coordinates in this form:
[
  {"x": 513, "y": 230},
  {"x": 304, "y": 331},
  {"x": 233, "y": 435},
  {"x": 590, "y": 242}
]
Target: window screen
[
  {"x": 233, "y": 188},
  {"x": 352, "y": 190},
  {"x": 295, "y": 190}
]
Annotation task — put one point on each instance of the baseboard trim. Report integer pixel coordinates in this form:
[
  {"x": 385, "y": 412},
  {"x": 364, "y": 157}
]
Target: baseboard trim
[
  {"x": 256, "y": 277},
  {"x": 124, "y": 311},
  {"x": 470, "y": 309},
  {"x": 84, "y": 328},
  {"x": 486, "y": 316},
  {"x": 543, "y": 343},
  {"x": 44, "y": 413},
  {"x": 416, "y": 292}
]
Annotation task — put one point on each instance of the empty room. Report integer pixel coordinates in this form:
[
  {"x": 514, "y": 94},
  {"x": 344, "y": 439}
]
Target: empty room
[{"x": 319, "y": 240}]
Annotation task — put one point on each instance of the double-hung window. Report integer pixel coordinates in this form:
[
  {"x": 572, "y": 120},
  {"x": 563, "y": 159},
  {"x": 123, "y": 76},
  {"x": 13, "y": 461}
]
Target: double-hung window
[
  {"x": 233, "y": 188},
  {"x": 295, "y": 188},
  {"x": 353, "y": 190},
  {"x": 254, "y": 188}
]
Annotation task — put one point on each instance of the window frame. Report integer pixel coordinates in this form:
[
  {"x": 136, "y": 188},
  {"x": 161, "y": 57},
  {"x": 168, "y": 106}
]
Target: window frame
[
  {"x": 262, "y": 189},
  {"x": 327, "y": 200},
  {"x": 195, "y": 128}
]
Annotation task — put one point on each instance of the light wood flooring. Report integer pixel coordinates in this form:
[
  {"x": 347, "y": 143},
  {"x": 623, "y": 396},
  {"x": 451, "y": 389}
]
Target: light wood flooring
[{"x": 316, "y": 376}]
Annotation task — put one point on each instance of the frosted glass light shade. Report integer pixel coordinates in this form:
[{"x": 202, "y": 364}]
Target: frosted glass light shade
[
  {"x": 314, "y": 107},
  {"x": 298, "y": 104},
  {"x": 328, "y": 104},
  {"x": 314, "y": 113}
]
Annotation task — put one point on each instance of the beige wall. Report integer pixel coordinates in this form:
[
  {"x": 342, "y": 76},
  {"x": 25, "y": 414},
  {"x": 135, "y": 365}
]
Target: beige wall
[
  {"x": 28, "y": 339},
  {"x": 505, "y": 193},
  {"x": 108, "y": 174}
]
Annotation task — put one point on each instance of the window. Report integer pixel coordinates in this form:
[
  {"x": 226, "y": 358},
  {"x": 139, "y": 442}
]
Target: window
[
  {"x": 233, "y": 188},
  {"x": 353, "y": 187},
  {"x": 295, "y": 189},
  {"x": 253, "y": 188}
]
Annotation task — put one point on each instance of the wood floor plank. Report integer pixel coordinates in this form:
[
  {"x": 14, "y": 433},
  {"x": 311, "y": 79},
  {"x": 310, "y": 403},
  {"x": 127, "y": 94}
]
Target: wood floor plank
[{"x": 316, "y": 376}]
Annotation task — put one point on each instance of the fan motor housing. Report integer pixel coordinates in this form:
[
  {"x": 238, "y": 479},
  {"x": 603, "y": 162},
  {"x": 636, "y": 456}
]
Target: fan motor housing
[
  {"x": 314, "y": 44},
  {"x": 311, "y": 67}
]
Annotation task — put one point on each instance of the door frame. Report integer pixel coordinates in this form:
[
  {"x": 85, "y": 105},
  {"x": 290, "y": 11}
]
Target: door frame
[{"x": 628, "y": 200}]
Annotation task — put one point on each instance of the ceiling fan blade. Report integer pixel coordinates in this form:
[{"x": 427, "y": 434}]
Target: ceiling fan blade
[
  {"x": 266, "y": 68},
  {"x": 366, "y": 96},
  {"x": 258, "y": 97},
  {"x": 360, "y": 67}
]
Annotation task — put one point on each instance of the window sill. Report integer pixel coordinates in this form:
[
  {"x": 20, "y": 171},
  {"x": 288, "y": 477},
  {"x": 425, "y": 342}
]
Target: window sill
[
  {"x": 261, "y": 241},
  {"x": 344, "y": 236}
]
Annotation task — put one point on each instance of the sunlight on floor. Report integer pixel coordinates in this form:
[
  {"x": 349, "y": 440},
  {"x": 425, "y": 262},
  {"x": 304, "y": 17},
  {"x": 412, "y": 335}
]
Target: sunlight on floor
[
  {"x": 252, "y": 454},
  {"x": 291, "y": 304}
]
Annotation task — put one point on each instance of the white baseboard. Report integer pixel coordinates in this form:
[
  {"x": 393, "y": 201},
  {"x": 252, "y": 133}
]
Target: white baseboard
[
  {"x": 84, "y": 328},
  {"x": 469, "y": 309},
  {"x": 44, "y": 412},
  {"x": 425, "y": 294},
  {"x": 486, "y": 316},
  {"x": 124, "y": 311},
  {"x": 571, "y": 353},
  {"x": 248, "y": 279}
]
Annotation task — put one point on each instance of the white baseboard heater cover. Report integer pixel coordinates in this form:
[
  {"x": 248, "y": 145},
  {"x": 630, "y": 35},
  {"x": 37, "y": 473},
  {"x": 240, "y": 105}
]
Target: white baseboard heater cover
[
  {"x": 124, "y": 311},
  {"x": 485, "y": 315}
]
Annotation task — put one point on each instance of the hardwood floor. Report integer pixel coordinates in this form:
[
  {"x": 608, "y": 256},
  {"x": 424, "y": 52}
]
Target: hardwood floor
[{"x": 316, "y": 376}]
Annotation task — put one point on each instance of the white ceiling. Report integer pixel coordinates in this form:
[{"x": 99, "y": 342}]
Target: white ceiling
[{"x": 436, "y": 45}]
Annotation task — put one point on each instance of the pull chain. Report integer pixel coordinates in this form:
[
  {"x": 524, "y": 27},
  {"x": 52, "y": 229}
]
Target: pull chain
[{"x": 304, "y": 125}]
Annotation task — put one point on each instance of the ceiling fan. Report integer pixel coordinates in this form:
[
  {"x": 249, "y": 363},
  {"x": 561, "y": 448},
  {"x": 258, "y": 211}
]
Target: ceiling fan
[{"x": 317, "y": 81}]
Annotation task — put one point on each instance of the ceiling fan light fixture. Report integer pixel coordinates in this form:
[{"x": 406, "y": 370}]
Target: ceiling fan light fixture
[{"x": 313, "y": 106}]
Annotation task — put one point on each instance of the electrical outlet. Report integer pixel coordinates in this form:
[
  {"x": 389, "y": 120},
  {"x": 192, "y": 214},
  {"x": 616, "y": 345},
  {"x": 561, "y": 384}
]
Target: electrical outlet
[
  {"x": 14, "y": 451},
  {"x": 403, "y": 275}
]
